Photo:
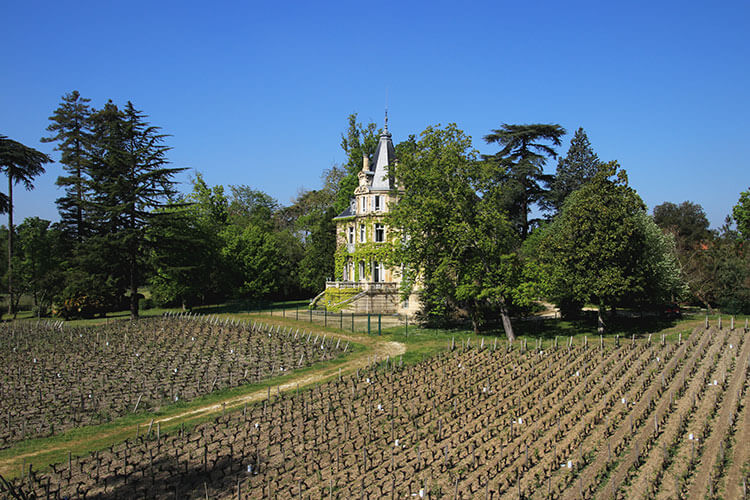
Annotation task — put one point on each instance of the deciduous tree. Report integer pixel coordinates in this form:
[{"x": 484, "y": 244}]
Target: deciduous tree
[
  {"x": 458, "y": 243},
  {"x": 602, "y": 249},
  {"x": 357, "y": 141},
  {"x": 38, "y": 262},
  {"x": 741, "y": 214}
]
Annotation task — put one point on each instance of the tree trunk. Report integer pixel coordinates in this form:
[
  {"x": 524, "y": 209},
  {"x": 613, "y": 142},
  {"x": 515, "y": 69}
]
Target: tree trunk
[
  {"x": 10, "y": 244},
  {"x": 133, "y": 296},
  {"x": 133, "y": 284},
  {"x": 507, "y": 325},
  {"x": 79, "y": 195}
]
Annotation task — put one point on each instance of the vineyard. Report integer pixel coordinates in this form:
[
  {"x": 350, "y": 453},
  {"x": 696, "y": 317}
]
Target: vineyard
[
  {"x": 57, "y": 378},
  {"x": 642, "y": 418}
]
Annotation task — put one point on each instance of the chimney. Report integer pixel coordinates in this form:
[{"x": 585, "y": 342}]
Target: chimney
[{"x": 365, "y": 163}]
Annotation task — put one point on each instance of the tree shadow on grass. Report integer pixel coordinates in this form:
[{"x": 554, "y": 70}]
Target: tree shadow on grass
[
  {"x": 252, "y": 306},
  {"x": 622, "y": 325}
]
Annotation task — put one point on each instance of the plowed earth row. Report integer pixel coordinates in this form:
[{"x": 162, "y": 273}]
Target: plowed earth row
[{"x": 643, "y": 420}]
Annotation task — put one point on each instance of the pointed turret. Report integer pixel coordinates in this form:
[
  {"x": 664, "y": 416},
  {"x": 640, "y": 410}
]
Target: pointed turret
[{"x": 385, "y": 156}]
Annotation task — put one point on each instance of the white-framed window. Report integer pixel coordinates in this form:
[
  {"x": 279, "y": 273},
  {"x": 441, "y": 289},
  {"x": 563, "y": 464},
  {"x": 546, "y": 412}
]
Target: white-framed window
[
  {"x": 377, "y": 272},
  {"x": 361, "y": 270},
  {"x": 378, "y": 203},
  {"x": 362, "y": 233},
  {"x": 362, "y": 204},
  {"x": 346, "y": 272},
  {"x": 379, "y": 233},
  {"x": 351, "y": 234}
]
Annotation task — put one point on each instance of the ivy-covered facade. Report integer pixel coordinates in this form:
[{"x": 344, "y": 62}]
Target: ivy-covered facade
[{"x": 364, "y": 242}]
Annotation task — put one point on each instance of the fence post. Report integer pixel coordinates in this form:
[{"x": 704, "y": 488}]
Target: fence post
[
  {"x": 379, "y": 330},
  {"x": 341, "y": 319},
  {"x": 368, "y": 323},
  {"x": 310, "y": 315},
  {"x": 325, "y": 316},
  {"x": 406, "y": 330},
  {"x": 283, "y": 312},
  {"x": 296, "y": 313},
  {"x": 352, "y": 322}
]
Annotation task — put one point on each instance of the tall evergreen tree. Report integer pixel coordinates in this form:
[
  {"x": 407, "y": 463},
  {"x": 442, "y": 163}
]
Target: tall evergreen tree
[
  {"x": 130, "y": 182},
  {"x": 21, "y": 164},
  {"x": 70, "y": 128},
  {"x": 573, "y": 171},
  {"x": 523, "y": 155}
]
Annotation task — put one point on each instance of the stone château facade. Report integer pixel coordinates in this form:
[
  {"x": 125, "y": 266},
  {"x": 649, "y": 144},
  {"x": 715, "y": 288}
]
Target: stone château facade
[{"x": 365, "y": 281}]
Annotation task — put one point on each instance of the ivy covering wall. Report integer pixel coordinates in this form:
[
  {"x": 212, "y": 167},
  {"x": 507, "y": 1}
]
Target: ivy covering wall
[{"x": 368, "y": 251}]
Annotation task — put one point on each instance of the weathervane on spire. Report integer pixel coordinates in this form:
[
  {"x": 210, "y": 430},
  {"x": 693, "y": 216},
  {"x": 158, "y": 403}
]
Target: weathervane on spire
[{"x": 385, "y": 128}]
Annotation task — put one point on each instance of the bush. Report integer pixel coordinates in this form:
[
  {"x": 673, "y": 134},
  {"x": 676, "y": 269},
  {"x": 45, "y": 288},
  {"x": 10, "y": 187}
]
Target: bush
[{"x": 147, "y": 303}]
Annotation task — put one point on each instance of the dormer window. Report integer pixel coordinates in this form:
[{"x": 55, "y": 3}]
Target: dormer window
[
  {"x": 351, "y": 234},
  {"x": 378, "y": 203}
]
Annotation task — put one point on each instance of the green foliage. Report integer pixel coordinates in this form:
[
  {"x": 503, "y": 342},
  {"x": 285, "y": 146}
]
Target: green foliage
[
  {"x": 686, "y": 221},
  {"x": 460, "y": 243},
  {"x": 727, "y": 261},
  {"x": 37, "y": 262},
  {"x": 128, "y": 184},
  {"x": 319, "y": 247},
  {"x": 70, "y": 128},
  {"x": 577, "y": 167},
  {"x": 334, "y": 298},
  {"x": 20, "y": 164},
  {"x": 741, "y": 214},
  {"x": 688, "y": 225},
  {"x": 357, "y": 141},
  {"x": 263, "y": 262},
  {"x": 604, "y": 249},
  {"x": 659, "y": 267},
  {"x": 250, "y": 206},
  {"x": 520, "y": 162},
  {"x": 368, "y": 251}
]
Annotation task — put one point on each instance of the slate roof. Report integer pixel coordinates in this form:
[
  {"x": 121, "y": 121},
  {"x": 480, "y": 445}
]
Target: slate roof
[
  {"x": 348, "y": 212},
  {"x": 385, "y": 155}
]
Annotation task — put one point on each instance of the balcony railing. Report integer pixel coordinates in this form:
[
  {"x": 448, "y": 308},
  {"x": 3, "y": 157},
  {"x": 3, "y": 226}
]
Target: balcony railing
[{"x": 382, "y": 286}]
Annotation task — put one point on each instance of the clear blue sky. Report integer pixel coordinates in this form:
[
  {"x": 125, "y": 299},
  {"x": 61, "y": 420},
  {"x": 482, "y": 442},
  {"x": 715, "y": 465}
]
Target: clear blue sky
[{"x": 258, "y": 93}]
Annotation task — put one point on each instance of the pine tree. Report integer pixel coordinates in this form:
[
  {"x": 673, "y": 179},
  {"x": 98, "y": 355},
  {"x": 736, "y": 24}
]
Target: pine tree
[
  {"x": 523, "y": 157},
  {"x": 129, "y": 183},
  {"x": 71, "y": 130},
  {"x": 573, "y": 171}
]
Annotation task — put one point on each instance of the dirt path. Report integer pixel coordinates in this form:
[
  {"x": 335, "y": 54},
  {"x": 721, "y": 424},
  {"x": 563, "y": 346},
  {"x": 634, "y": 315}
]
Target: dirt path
[{"x": 42, "y": 453}]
